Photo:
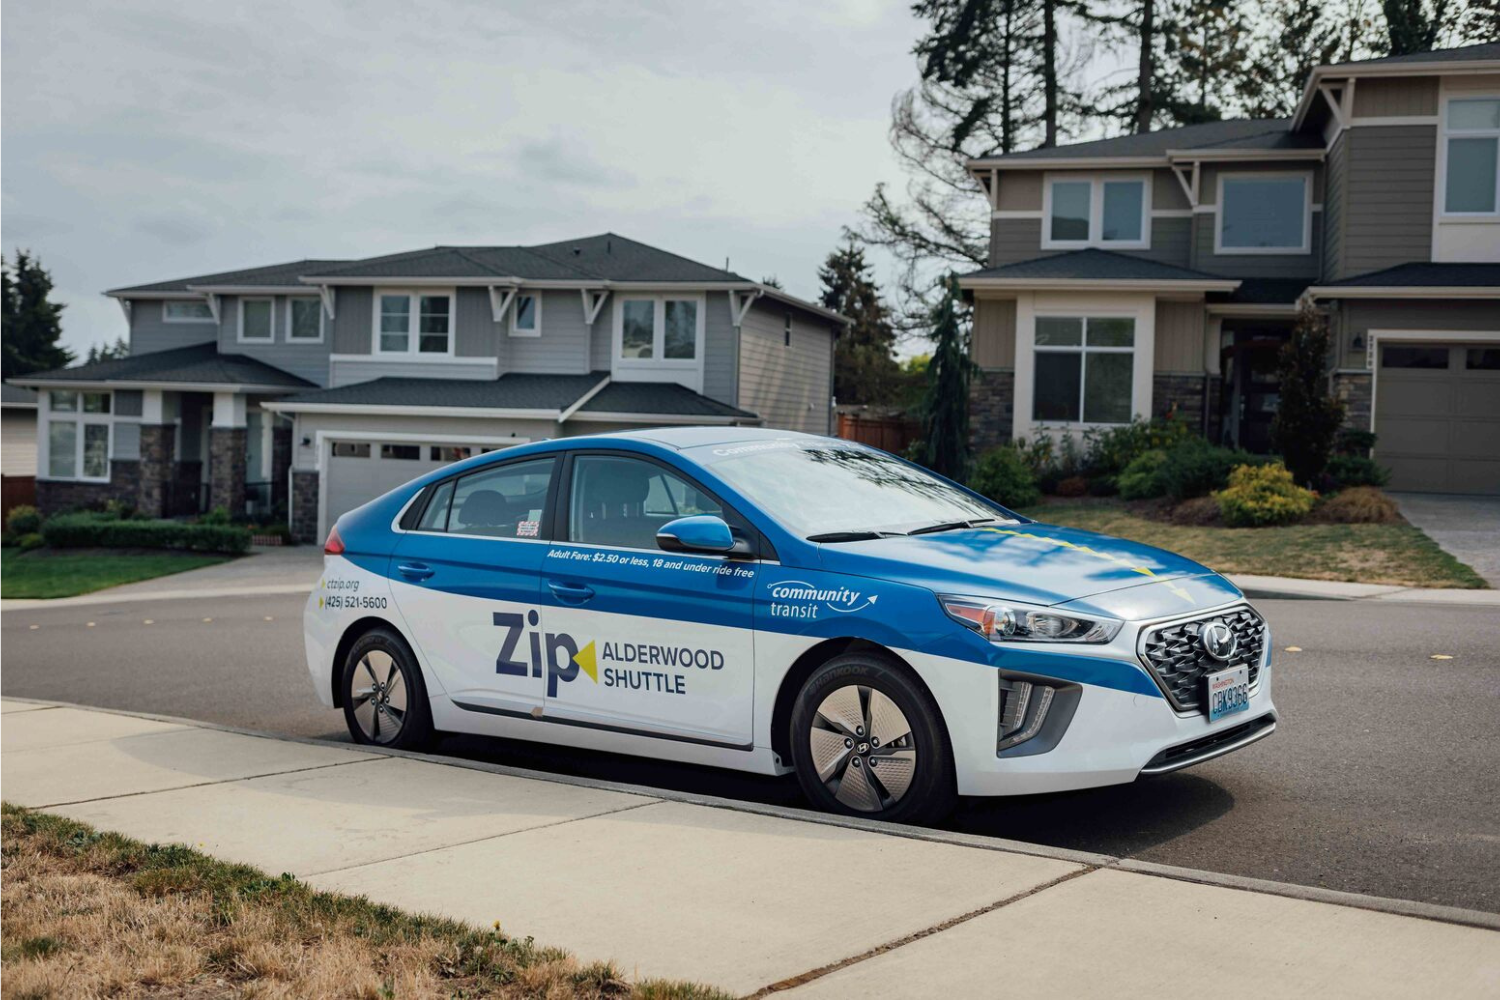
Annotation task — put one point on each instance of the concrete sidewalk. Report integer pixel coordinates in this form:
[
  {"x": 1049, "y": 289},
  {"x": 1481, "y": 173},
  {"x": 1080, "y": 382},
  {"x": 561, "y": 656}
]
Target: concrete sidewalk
[{"x": 748, "y": 898}]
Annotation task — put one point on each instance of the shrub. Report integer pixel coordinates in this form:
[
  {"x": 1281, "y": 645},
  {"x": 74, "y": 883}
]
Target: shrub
[
  {"x": 1199, "y": 512},
  {"x": 1345, "y": 471},
  {"x": 1358, "y": 505},
  {"x": 1110, "y": 451},
  {"x": 1104, "y": 486},
  {"x": 1196, "y": 468},
  {"x": 85, "y": 530},
  {"x": 1003, "y": 475},
  {"x": 1073, "y": 486},
  {"x": 1353, "y": 442},
  {"x": 1141, "y": 479},
  {"x": 30, "y": 540},
  {"x": 219, "y": 515},
  {"x": 24, "y": 519},
  {"x": 1259, "y": 495}
]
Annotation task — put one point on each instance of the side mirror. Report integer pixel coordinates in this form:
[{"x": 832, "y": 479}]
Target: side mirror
[{"x": 699, "y": 533}]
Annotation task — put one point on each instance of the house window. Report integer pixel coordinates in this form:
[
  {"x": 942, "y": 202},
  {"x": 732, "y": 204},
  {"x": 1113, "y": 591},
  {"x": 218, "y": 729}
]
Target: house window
[
  {"x": 786, "y": 331},
  {"x": 78, "y": 435},
  {"x": 526, "y": 316},
  {"x": 1084, "y": 369},
  {"x": 304, "y": 320},
  {"x": 413, "y": 323},
  {"x": 401, "y": 452},
  {"x": 1264, "y": 213},
  {"x": 1097, "y": 212},
  {"x": 660, "y": 330},
  {"x": 1472, "y": 137},
  {"x": 257, "y": 321},
  {"x": 181, "y": 311}
]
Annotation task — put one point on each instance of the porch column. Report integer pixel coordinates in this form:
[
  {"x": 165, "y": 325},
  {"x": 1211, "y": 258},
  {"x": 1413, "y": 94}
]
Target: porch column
[
  {"x": 158, "y": 451},
  {"x": 281, "y": 463},
  {"x": 226, "y": 454}
]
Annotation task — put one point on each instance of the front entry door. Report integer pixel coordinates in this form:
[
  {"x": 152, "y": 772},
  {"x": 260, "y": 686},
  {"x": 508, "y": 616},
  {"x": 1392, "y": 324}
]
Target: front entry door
[
  {"x": 636, "y": 639},
  {"x": 465, "y": 581}
]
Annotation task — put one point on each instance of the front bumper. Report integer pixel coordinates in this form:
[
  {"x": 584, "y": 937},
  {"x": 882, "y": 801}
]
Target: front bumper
[{"x": 1115, "y": 735}]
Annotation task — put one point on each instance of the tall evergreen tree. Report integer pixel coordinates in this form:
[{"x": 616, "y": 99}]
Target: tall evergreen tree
[
  {"x": 32, "y": 323},
  {"x": 1308, "y": 417},
  {"x": 1290, "y": 37},
  {"x": 945, "y": 407},
  {"x": 1416, "y": 25},
  {"x": 108, "y": 352},
  {"x": 864, "y": 369},
  {"x": 1205, "y": 53}
]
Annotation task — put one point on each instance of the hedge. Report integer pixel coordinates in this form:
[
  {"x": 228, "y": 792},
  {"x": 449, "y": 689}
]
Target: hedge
[{"x": 84, "y": 530}]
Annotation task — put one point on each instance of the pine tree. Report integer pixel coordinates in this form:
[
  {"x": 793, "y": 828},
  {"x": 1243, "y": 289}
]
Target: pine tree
[
  {"x": 1416, "y": 25},
  {"x": 1290, "y": 38},
  {"x": 108, "y": 352},
  {"x": 32, "y": 323},
  {"x": 1205, "y": 54},
  {"x": 1308, "y": 416},
  {"x": 864, "y": 369},
  {"x": 945, "y": 407}
]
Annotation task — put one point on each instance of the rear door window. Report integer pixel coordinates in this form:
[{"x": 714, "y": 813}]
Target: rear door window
[{"x": 507, "y": 502}]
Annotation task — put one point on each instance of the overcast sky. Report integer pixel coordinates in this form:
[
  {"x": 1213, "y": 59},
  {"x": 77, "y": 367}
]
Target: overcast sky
[{"x": 149, "y": 140}]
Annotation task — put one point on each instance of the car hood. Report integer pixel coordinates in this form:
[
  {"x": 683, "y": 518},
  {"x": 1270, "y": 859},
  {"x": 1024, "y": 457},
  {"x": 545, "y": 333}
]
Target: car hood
[{"x": 1039, "y": 564}]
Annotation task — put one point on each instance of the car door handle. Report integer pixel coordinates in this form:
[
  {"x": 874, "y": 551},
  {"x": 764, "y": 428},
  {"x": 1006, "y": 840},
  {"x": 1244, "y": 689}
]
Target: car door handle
[
  {"x": 415, "y": 571},
  {"x": 570, "y": 593}
]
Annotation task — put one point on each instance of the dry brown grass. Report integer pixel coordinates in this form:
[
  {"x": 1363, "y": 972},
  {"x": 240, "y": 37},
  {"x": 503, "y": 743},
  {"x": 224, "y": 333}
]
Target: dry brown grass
[
  {"x": 95, "y": 915},
  {"x": 1357, "y": 505}
]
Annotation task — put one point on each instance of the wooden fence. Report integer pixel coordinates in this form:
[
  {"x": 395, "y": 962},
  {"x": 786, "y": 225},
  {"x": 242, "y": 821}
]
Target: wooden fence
[
  {"x": 16, "y": 490},
  {"x": 890, "y": 433}
]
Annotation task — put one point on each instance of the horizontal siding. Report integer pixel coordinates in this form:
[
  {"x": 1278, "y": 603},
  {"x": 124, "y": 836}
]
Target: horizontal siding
[
  {"x": 149, "y": 332},
  {"x": 719, "y": 350},
  {"x": 994, "y": 339},
  {"x": 1020, "y": 191},
  {"x": 351, "y": 324},
  {"x": 1335, "y": 181},
  {"x": 1395, "y": 97},
  {"x": 1304, "y": 265},
  {"x": 1015, "y": 240},
  {"x": 474, "y": 327},
  {"x": 1167, "y": 192},
  {"x": 309, "y": 361},
  {"x": 1179, "y": 336},
  {"x": 1360, "y": 316},
  {"x": 562, "y": 349},
  {"x": 1388, "y": 198},
  {"x": 788, "y": 387},
  {"x": 1208, "y": 181},
  {"x": 350, "y": 372}
]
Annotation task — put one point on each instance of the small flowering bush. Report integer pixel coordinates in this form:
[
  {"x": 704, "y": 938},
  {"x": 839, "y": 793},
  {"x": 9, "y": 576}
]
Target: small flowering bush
[{"x": 1260, "y": 495}]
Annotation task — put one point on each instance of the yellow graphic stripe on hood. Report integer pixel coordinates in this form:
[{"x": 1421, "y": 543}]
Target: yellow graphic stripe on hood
[{"x": 1089, "y": 550}]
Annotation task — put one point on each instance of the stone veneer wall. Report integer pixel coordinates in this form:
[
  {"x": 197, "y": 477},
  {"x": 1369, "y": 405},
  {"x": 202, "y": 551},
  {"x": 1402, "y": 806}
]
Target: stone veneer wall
[
  {"x": 1356, "y": 390},
  {"x": 304, "y": 519},
  {"x": 124, "y": 486},
  {"x": 992, "y": 402},
  {"x": 158, "y": 444},
  {"x": 1182, "y": 393},
  {"x": 226, "y": 469}
]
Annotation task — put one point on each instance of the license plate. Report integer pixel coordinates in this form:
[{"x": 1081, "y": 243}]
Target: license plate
[{"x": 1228, "y": 692}]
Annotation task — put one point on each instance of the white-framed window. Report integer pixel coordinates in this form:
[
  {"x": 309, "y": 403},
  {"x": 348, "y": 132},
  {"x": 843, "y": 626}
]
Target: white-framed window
[
  {"x": 1264, "y": 213},
  {"x": 78, "y": 435},
  {"x": 257, "y": 320},
  {"x": 1471, "y": 151},
  {"x": 526, "y": 315},
  {"x": 416, "y": 322},
  {"x": 304, "y": 321},
  {"x": 1108, "y": 210},
  {"x": 662, "y": 331},
  {"x": 1084, "y": 372},
  {"x": 186, "y": 311}
]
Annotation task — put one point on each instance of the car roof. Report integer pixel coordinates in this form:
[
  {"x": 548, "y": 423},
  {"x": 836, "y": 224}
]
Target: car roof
[{"x": 682, "y": 438}]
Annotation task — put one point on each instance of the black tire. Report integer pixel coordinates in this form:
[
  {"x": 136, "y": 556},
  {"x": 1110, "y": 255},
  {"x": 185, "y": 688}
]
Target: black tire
[
  {"x": 928, "y": 792},
  {"x": 379, "y": 672}
]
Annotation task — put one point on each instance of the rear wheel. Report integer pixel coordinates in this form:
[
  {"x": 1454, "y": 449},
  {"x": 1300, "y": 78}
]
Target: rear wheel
[
  {"x": 385, "y": 701},
  {"x": 867, "y": 740}
]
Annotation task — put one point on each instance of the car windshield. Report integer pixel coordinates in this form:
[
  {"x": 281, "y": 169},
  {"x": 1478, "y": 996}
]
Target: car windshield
[{"x": 832, "y": 492}]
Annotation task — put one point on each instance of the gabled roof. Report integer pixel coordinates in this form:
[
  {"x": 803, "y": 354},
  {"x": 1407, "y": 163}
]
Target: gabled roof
[
  {"x": 17, "y": 397},
  {"x": 1265, "y": 134},
  {"x": 1466, "y": 53},
  {"x": 270, "y": 276},
  {"x": 1417, "y": 280},
  {"x": 519, "y": 393},
  {"x": 200, "y": 364},
  {"x": 1095, "y": 267}
]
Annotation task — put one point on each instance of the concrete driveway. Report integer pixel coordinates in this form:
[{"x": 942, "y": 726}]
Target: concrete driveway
[{"x": 1466, "y": 526}]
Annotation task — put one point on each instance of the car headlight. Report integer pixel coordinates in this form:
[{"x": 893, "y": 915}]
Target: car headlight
[{"x": 1007, "y": 621}]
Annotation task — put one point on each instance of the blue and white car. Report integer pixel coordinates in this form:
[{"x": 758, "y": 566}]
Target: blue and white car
[{"x": 776, "y": 602}]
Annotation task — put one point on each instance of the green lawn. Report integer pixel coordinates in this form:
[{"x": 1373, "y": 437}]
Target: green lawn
[
  {"x": 1360, "y": 553},
  {"x": 48, "y": 573}
]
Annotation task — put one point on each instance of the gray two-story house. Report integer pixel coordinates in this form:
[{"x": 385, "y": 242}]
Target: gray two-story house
[
  {"x": 301, "y": 390},
  {"x": 1160, "y": 273}
]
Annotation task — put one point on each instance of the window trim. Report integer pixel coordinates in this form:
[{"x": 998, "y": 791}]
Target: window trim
[
  {"x": 1096, "y": 182},
  {"x": 515, "y": 311},
  {"x": 642, "y": 369},
  {"x": 1084, "y": 350},
  {"x": 414, "y": 298},
  {"x": 291, "y": 328},
  {"x": 1303, "y": 249},
  {"x": 1445, "y": 136},
  {"x": 79, "y": 419},
  {"x": 423, "y": 498},
  {"x": 239, "y": 330},
  {"x": 165, "y": 318}
]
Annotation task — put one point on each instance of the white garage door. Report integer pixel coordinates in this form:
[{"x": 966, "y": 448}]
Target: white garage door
[
  {"x": 1437, "y": 417},
  {"x": 359, "y": 471}
]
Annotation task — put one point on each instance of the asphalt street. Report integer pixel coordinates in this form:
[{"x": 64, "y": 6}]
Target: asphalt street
[{"x": 1384, "y": 777}]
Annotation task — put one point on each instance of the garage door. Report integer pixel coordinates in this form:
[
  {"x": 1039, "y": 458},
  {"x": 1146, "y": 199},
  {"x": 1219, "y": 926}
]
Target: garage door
[
  {"x": 360, "y": 471},
  {"x": 1437, "y": 417}
]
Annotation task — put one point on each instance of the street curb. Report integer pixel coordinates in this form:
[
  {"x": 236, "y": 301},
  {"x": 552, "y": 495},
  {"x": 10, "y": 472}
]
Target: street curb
[
  {"x": 1089, "y": 861},
  {"x": 104, "y": 597}
]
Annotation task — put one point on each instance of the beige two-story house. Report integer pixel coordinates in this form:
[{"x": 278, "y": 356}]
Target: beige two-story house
[{"x": 1161, "y": 273}]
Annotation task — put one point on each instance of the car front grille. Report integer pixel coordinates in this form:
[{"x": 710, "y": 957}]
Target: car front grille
[{"x": 1175, "y": 655}]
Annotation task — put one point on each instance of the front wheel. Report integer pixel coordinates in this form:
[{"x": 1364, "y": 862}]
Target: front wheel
[
  {"x": 385, "y": 701},
  {"x": 867, "y": 740}
]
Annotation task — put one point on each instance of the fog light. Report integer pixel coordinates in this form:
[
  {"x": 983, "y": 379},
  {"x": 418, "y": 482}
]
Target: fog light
[{"x": 1023, "y": 710}]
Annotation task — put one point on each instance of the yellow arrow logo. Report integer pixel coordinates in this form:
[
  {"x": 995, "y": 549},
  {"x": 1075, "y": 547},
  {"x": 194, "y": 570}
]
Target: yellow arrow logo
[{"x": 587, "y": 663}]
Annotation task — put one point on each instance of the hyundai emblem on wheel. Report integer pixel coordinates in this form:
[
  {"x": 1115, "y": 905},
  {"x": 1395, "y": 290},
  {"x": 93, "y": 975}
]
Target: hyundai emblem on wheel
[
  {"x": 781, "y": 604},
  {"x": 1220, "y": 641}
]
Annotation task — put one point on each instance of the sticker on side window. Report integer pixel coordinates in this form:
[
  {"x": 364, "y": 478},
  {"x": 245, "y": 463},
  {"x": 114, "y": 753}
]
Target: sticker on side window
[{"x": 528, "y": 529}]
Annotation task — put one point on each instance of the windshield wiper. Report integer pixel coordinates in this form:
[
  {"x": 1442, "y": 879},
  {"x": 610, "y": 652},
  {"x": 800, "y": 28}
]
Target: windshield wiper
[
  {"x": 851, "y": 536},
  {"x": 949, "y": 526}
]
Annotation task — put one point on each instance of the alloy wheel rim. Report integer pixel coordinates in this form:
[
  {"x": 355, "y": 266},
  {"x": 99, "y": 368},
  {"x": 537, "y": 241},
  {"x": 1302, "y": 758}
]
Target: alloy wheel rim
[
  {"x": 378, "y": 694},
  {"x": 862, "y": 748}
]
